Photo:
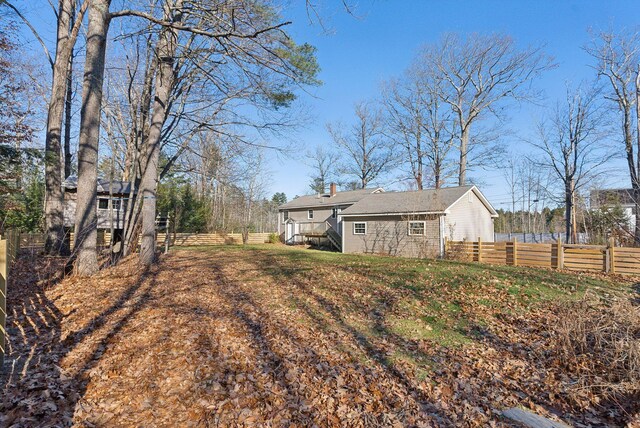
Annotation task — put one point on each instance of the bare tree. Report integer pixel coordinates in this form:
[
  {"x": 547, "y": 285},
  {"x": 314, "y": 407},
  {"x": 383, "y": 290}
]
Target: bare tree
[
  {"x": 368, "y": 152},
  {"x": 480, "y": 74},
  {"x": 67, "y": 33},
  {"x": 165, "y": 80},
  {"x": 617, "y": 61},
  {"x": 420, "y": 122},
  {"x": 86, "y": 232},
  {"x": 571, "y": 145},
  {"x": 324, "y": 163}
]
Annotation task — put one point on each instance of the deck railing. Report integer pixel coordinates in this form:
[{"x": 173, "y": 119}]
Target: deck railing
[{"x": 312, "y": 228}]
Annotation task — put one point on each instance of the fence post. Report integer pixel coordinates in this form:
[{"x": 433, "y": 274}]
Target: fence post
[
  {"x": 479, "y": 250},
  {"x": 4, "y": 270},
  {"x": 514, "y": 243},
  {"x": 611, "y": 256},
  {"x": 560, "y": 253}
]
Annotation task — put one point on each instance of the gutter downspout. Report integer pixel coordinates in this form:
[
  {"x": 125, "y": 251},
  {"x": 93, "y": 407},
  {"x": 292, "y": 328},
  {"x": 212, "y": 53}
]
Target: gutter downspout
[{"x": 341, "y": 223}]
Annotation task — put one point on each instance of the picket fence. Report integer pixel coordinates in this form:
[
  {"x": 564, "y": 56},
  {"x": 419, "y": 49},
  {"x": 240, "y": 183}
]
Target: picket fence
[
  {"x": 9, "y": 248},
  {"x": 596, "y": 258}
]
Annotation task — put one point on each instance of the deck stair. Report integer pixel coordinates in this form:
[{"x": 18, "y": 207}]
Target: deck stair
[{"x": 334, "y": 238}]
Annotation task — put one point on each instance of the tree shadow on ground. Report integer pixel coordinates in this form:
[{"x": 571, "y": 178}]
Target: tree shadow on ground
[
  {"x": 35, "y": 390},
  {"x": 309, "y": 301},
  {"x": 313, "y": 294},
  {"x": 257, "y": 319}
]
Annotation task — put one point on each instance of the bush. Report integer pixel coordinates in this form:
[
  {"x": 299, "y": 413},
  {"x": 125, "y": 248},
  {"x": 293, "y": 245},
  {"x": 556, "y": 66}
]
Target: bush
[
  {"x": 274, "y": 238},
  {"x": 599, "y": 342}
]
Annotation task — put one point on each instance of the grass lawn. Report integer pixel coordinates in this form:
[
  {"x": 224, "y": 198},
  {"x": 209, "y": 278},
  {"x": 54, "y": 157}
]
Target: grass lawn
[{"x": 277, "y": 336}]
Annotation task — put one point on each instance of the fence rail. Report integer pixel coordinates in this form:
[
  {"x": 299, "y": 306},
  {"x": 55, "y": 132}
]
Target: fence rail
[
  {"x": 596, "y": 258},
  {"x": 36, "y": 240},
  {"x": 9, "y": 248}
]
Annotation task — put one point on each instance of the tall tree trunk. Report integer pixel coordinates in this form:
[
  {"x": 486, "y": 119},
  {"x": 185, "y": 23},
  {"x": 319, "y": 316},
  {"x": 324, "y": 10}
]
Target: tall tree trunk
[
  {"x": 437, "y": 171},
  {"x": 568, "y": 211},
  {"x": 636, "y": 183},
  {"x": 68, "y": 105},
  {"x": 464, "y": 146},
  {"x": 134, "y": 207},
  {"x": 86, "y": 215},
  {"x": 164, "y": 83},
  {"x": 54, "y": 194}
]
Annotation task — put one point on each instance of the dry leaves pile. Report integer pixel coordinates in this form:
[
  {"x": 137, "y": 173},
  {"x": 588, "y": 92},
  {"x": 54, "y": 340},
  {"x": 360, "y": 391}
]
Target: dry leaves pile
[{"x": 278, "y": 337}]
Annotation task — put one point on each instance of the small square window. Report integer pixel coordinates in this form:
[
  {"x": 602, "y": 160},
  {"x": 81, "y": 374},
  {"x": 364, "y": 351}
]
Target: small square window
[
  {"x": 103, "y": 204},
  {"x": 310, "y": 214},
  {"x": 359, "y": 228},
  {"x": 286, "y": 215},
  {"x": 416, "y": 228},
  {"x": 116, "y": 204},
  {"x": 334, "y": 213}
]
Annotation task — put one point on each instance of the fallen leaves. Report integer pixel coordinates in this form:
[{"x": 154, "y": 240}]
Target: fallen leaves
[{"x": 232, "y": 337}]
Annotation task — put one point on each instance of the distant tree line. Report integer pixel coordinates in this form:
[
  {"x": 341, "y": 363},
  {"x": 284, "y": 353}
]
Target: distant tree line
[{"x": 444, "y": 120}]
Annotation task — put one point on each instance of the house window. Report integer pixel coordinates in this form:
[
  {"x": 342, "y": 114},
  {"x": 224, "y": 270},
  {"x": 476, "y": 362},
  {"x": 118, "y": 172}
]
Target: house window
[
  {"x": 286, "y": 215},
  {"x": 310, "y": 214},
  {"x": 334, "y": 213},
  {"x": 416, "y": 227},
  {"x": 360, "y": 228},
  {"x": 103, "y": 204}
]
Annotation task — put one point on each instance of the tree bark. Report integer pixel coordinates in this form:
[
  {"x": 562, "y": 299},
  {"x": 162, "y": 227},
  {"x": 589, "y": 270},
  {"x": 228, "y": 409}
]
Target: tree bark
[
  {"x": 86, "y": 215},
  {"x": 635, "y": 179},
  {"x": 141, "y": 136},
  {"x": 464, "y": 145},
  {"x": 68, "y": 104},
  {"x": 54, "y": 195},
  {"x": 568, "y": 211},
  {"x": 164, "y": 83}
]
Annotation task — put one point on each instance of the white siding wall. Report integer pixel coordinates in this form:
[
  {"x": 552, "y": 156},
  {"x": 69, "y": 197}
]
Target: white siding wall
[{"x": 469, "y": 219}]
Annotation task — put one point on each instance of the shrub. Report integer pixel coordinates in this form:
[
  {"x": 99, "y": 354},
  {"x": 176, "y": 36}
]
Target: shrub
[
  {"x": 274, "y": 238},
  {"x": 599, "y": 342}
]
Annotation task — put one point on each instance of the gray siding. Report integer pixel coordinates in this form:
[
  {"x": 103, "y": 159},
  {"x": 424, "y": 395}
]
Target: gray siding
[
  {"x": 320, "y": 215},
  {"x": 104, "y": 216},
  {"x": 390, "y": 235},
  {"x": 469, "y": 219}
]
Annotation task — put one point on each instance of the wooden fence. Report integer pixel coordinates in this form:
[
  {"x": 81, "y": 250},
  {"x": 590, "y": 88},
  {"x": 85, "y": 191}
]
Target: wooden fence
[
  {"x": 9, "y": 248},
  {"x": 36, "y": 240},
  {"x": 597, "y": 258}
]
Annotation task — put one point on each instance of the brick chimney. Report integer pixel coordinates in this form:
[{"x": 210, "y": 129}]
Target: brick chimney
[{"x": 332, "y": 189}]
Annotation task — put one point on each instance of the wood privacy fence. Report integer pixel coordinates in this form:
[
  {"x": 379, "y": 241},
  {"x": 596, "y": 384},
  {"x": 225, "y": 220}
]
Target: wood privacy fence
[
  {"x": 36, "y": 240},
  {"x": 598, "y": 258},
  {"x": 9, "y": 248}
]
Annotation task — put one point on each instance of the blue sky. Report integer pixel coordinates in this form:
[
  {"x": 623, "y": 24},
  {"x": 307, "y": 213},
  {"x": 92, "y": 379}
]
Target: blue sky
[{"x": 359, "y": 53}]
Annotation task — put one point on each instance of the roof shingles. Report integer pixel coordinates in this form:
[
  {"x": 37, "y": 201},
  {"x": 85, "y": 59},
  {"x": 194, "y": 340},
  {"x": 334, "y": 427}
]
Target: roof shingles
[
  {"x": 419, "y": 201},
  {"x": 340, "y": 198}
]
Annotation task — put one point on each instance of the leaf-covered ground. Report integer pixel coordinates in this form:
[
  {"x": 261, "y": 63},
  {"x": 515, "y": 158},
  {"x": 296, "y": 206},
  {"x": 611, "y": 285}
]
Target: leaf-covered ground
[{"x": 276, "y": 336}]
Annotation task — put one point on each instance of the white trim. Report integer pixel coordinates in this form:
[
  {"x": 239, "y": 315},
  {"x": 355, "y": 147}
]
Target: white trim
[
  {"x": 393, "y": 214},
  {"x": 480, "y": 196},
  {"x": 424, "y": 228},
  {"x": 442, "y": 233},
  {"x": 359, "y": 222}
]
